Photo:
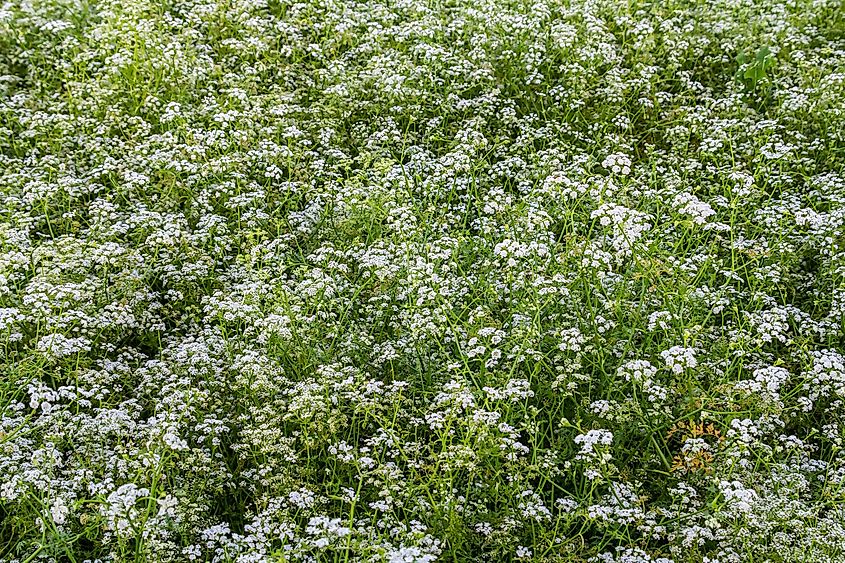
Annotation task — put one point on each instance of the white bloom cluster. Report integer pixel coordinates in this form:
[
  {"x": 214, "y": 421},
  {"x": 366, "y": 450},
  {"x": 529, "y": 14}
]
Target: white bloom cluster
[
  {"x": 642, "y": 373},
  {"x": 827, "y": 375},
  {"x": 531, "y": 506},
  {"x": 738, "y": 497},
  {"x": 628, "y": 225},
  {"x": 629, "y": 555},
  {"x": 591, "y": 444},
  {"x": 678, "y": 359},
  {"x": 766, "y": 384},
  {"x": 617, "y": 163},
  {"x": 121, "y": 510},
  {"x": 59, "y": 511},
  {"x": 60, "y": 346},
  {"x": 688, "y": 204},
  {"x": 770, "y": 325},
  {"x": 638, "y": 371},
  {"x": 660, "y": 319},
  {"x": 571, "y": 340},
  {"x": 515, "y": 390},
  {"x": 559, "y": 184}
]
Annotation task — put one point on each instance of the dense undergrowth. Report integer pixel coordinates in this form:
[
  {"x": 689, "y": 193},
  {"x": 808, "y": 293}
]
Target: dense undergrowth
[{"x": 407, "y": 280}]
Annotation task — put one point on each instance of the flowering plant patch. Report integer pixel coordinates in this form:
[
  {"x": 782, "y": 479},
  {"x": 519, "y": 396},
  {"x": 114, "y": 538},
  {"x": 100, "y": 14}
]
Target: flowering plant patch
[{"x": 407, "y": 281}]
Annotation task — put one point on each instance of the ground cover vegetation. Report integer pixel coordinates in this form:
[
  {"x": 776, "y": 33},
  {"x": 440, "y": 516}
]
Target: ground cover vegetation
[{"x": 418, "y": 280}]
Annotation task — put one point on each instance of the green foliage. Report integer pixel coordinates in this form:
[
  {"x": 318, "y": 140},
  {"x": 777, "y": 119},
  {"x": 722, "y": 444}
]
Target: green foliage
[{"x": 407, "y": 281}]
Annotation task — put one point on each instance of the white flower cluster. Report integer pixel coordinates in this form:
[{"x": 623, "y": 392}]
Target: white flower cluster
[
  {"x": 618, "y": 163},
  {"x": 591, "y": 444},
  {"x": 59, "y": 511},
  {"x": 678, "y": 359},
  {"x": 660, "y": 319},
  {"x": 737, "y": 496},
  {"x": 766, "y": 384},
  {"x": 121, "y": 510},
  {"x": 688, "y": 204},
  {"x": 642, "y": 373},
  {"x": 60, "y": 346},
  {"x": 515, "y": 390},
  {"x": 827, "y": 375},
  {"x": 629, "y": 555},
  {"x": 628, "y": 225},
  {"x": 638, "y": 371}
]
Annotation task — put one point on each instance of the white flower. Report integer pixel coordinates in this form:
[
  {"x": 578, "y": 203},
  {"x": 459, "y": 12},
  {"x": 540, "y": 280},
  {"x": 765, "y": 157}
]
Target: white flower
[
  {"x": 618, "y": 163},
  {"x": 590, "y": 440},
  {"x": 638, "y": 371},
  {"x": 659, "y": 319},
  {"x": 59, "y": 511},
  {"x": 689, "y": 205},
  {"x": 523, "y": 552},
  {"x": 410, "y": 555},
  {"x": 173, "y": 441},
  {"x": 678, "y": 359},
  {"x": 60, "y": 346},
  {"x": 120, "y": 511},
  {"x": 737, "y": 496}
]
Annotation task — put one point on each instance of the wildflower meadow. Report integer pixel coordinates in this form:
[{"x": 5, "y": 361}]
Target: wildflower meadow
[{"x": 416, "y": 281}]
